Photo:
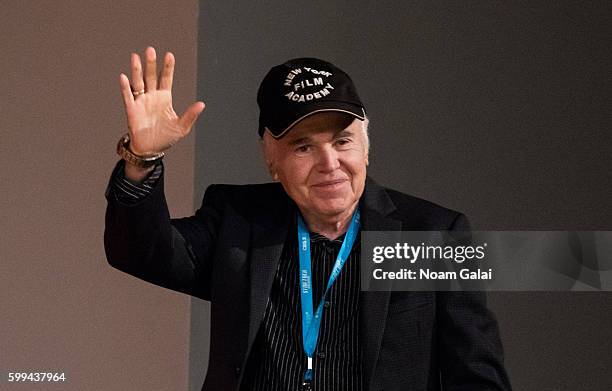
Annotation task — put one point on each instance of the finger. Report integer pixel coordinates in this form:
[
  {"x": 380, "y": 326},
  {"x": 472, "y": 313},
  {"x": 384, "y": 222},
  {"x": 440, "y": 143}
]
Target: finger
[
  {"x": 151, "y": 69},
  {"x": 137, "y": 82},
  {"x": 190, "y": 116},
  {"x": 167, "y": 72},
  {"x": 126, "y": 90}
]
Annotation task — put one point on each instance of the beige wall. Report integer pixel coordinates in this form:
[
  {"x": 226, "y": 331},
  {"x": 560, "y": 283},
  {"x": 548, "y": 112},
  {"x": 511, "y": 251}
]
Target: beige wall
[{"x": 62, "y": 307}]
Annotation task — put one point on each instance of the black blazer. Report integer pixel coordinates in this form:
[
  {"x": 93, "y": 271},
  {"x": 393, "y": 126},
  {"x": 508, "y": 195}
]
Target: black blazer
[{"x": 228, "y": 254}]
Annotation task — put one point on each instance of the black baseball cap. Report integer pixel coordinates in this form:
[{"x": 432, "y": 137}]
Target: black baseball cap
[{"x": 301, "y": 87}]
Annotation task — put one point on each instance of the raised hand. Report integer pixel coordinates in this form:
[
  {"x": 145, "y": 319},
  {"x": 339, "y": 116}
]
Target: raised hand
[{"x": 153, "y": 124}]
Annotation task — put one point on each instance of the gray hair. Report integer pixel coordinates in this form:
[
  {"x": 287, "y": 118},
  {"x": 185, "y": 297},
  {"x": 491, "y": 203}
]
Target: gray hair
[{"x": 365, "y": 126}]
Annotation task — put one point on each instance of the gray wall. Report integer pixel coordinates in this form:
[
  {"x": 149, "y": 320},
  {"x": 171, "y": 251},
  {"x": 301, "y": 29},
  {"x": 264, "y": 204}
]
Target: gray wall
[
  {"x": 497, "y": 109},
  {"x": 62, "y": 307}
]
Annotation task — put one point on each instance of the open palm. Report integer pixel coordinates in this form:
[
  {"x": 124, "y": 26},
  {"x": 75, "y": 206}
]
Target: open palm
[{"x": 153, "y": 124}]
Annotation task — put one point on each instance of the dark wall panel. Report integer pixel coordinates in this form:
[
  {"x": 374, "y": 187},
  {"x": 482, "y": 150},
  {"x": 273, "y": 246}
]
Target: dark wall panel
[{"x": 497, "y": 109}]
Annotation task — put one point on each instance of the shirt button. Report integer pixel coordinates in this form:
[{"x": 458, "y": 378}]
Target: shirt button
[
  {"x": 326, "y": 304},
  {"x": 321, "y": 355},
  {"x": 237, "y": 371}
]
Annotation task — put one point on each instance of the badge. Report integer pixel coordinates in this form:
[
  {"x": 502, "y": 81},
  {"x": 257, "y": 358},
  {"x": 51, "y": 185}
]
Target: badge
[{"x": 306, "y": 385}]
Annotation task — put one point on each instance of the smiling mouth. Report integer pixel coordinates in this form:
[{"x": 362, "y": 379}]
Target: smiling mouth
[{"x": 329, "y": 184}]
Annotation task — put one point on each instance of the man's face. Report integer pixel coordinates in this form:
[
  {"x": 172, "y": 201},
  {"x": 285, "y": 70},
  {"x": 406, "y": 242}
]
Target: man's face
[{"x": 321, "y": 162}]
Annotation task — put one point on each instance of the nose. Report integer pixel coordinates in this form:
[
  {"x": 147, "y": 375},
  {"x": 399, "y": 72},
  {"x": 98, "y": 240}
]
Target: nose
[{"x": 327, "y": 159}]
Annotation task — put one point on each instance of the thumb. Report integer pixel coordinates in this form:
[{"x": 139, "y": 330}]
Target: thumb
[{"x": 190, "y": 116}]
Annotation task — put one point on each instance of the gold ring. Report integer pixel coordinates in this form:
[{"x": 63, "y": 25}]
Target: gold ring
[{"x": 136, "y": 93}]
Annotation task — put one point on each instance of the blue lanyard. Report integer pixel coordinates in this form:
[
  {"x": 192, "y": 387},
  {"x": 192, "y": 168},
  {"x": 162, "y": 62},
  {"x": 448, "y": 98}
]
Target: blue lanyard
[{"x": 312, "y": 322}]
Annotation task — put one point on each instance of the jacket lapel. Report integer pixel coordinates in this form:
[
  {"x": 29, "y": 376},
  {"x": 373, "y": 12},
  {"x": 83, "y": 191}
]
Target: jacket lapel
[
  {"x": 375, "y": 207},
  {"x": 269, "y": 231}
]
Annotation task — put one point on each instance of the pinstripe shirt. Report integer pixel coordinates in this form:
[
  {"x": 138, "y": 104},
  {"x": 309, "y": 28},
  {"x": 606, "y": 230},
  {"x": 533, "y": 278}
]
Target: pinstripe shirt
[
  {"x": 129, "y": 192},
  {"x": 278, "y": 361}
]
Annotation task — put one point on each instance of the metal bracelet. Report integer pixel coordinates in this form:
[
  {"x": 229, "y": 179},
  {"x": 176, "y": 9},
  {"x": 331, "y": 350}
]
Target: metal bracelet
[{"x": 123, "y": 150}]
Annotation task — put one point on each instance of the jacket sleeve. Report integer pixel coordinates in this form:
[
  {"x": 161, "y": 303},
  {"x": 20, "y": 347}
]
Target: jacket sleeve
[
  {"x": 142, "y": 240},
  {"x": 469, "y": 345}
]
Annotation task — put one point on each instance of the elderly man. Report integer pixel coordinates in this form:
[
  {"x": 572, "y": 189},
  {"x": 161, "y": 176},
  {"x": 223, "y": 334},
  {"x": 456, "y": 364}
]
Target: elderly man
[{"x": 279, "y": 262}]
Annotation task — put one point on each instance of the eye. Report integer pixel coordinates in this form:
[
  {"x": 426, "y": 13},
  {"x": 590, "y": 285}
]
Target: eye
[
  {"x": 343, "y": 141},
  {"x": 303, "y": 148}
]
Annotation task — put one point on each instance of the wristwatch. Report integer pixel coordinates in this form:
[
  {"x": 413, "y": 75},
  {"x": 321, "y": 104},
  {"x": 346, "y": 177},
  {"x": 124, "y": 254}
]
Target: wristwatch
[{"x": 123, "y": 150}]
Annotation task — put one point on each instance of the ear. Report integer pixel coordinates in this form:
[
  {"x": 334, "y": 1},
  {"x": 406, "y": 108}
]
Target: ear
[
  {"x": 272, "y": 169},
  {"x": 270, "y": 164},
  {"x": 268, "y": 158}
]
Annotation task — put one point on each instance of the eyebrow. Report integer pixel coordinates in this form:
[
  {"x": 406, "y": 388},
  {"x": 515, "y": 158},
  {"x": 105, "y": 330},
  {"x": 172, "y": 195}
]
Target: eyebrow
[
  {"x": 344, "y": 133},
  {"x": 306, "y": 139},
  {"x": 300, "y": 140}
]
